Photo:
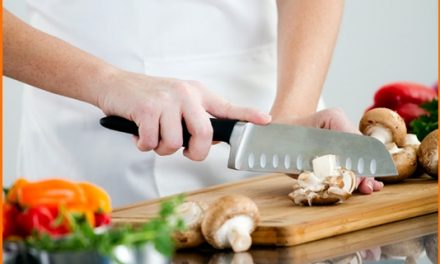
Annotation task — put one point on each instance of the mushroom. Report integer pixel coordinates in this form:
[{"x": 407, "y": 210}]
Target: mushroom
[
  {"x": 229, "y": 221},
  {"x": 411, "y": 250},
  {"x": 428, "y": 154},
  {"x": 385, "y": 125},
  {"x": 405, "y": 160},
  {"x": 192, "y": 214},
  {"x": 327, "y": 184},
  {"x": 388, "y": 127}
]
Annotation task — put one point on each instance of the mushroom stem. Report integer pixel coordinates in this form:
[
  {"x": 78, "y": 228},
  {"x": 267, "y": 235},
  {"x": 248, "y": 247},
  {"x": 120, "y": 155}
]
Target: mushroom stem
[
  {"x": 240, "y": 241},
  {"x": 381, "y": 133}
]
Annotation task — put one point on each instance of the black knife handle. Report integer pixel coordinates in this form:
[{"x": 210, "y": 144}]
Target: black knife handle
[{"x": 222, "y": 128}]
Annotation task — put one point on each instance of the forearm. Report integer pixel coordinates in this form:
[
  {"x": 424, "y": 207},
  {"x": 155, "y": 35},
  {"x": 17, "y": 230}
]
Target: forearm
[
  {"x": 44, "y": 61},
  {"x": 307, "y": 32}
]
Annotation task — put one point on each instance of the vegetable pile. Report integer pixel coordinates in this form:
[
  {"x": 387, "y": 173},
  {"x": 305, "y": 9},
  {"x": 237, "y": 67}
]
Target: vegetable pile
[
  {"x": 403, "y": 114},
  {"x": 57, "y": 215},
  {"x": 52, "y": 206},
  {"x": 406, "y": 98}
]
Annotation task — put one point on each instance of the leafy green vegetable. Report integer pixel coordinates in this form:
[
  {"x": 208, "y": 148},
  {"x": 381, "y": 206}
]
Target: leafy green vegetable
[
  {"x": 157, "y": 231},
  {"x": 426, "y": 123}
]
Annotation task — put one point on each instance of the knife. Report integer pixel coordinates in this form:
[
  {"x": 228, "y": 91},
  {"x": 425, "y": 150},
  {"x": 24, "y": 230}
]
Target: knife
[{"x": 286, "y": 148}]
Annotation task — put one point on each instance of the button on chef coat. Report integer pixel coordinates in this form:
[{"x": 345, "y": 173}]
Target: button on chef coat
[{"x": 228, "y": 45}]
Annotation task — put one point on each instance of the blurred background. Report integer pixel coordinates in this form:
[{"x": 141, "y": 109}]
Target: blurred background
[{"x": 379, "y": 42}]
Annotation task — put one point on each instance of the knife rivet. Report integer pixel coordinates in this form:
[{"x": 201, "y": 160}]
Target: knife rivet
[{"x": 251, "y": 160}]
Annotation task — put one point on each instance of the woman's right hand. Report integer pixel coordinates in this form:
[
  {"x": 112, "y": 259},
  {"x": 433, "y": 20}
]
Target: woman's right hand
[{"x": 158, "y": 105}]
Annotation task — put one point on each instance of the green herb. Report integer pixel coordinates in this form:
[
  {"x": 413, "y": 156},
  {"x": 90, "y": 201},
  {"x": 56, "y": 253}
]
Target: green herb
[
  {"x": 157, "y": 231},
  {"x": 426, "y": 123}
]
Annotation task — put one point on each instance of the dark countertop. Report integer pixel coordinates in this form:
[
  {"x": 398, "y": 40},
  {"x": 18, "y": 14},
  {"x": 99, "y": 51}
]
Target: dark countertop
[{"x": 414, "y": 239}]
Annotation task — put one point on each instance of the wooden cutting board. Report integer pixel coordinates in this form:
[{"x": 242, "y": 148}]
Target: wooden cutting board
[{"x": 283, "y": 223}]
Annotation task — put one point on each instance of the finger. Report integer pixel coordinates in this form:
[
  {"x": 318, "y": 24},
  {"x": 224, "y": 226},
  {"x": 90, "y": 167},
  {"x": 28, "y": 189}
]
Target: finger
[
  {"x": 221, "y": 108},
  {"x": 377, "y": 185},
  {"x": 365, "y": 186},
  {"x": 148, "y": 127},
  {"x": 200, "y": 129},
  {"x": 170, "y": 127},
  {"x": 334, "y": 119}
]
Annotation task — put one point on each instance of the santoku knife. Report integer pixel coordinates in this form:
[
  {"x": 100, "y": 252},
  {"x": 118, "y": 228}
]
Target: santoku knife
[{"x": 286, "y": 148}]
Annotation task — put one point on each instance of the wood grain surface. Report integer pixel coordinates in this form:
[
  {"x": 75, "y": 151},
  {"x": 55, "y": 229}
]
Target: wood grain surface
[{"x": 283, "y": 223}]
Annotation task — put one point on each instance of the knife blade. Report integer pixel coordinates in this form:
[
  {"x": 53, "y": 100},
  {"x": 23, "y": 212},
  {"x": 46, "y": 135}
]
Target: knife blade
[{"x": 286, "y": 148}]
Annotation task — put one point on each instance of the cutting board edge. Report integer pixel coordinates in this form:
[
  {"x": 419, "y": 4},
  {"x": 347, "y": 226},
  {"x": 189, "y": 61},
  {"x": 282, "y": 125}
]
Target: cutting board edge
[{"x": 288, "y": 235}]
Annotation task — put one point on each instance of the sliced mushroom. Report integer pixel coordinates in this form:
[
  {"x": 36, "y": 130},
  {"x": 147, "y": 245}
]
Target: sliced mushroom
[
  {"x": 192, "y": 214},
  {"x": 385, "y": 125},
  {"x": 428, "y": 154},
  {"x": 229, "y": 222},
  {"x": 327, "y": 184}
]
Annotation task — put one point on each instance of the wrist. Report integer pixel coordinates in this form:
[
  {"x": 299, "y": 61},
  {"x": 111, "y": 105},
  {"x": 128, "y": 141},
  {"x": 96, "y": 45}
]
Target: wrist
[{"x": 106, "y": 79}]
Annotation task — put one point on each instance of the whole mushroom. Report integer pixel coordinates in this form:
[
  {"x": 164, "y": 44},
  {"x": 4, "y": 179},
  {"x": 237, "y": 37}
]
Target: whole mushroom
[
  {"x": 385, "y": 125},
  {"x": 428, "y": 154},
  {"x": 327, "y": 184},
  {"x": 405, "y": 160},
  {"x": 229, "y": 222},
  {"x": 388, "y": 127},
  {"x": 192, "y": 214}
]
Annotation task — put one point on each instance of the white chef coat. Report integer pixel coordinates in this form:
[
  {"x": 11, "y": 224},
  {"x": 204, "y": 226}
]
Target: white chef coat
[{"x": 228, "y": 45}]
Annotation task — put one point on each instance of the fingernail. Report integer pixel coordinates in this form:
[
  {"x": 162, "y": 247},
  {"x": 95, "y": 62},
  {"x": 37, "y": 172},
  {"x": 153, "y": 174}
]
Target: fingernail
[{"x": 267, "y": 117}]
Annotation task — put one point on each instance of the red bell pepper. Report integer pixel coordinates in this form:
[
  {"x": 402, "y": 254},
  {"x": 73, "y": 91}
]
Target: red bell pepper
[
  {"x": 10, "y": 228},
  {"x": 404, "y": 98},
  {"x": 41, "y": 219},
  {"x": 102, "y": 219}
]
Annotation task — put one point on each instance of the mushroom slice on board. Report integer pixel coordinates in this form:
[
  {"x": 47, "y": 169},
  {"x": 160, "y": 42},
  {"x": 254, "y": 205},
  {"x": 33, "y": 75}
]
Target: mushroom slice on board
[
  {"x": 327, "y": 184},
  {"x": 192, "y": 214},
  {"x": 229, "y": 222},
  {"x": 428, "y": 154}
]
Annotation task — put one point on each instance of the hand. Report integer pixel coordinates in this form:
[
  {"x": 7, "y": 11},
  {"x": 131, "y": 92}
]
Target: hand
[
  {"x": 157, "y": 106},
  {"x": 333, "y": 119}
]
